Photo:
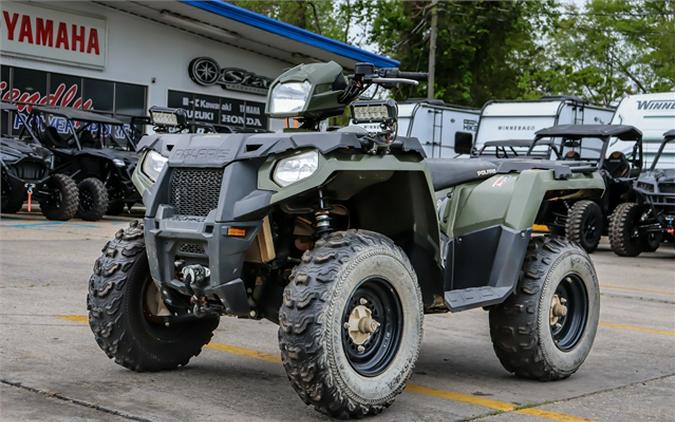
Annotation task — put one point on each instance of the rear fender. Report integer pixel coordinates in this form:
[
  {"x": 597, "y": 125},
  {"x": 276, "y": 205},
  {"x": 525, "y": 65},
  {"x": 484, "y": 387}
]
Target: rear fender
[{"x": 488, "y": 226}]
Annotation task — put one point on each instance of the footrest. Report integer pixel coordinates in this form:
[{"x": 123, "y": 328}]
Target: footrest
[{"x": 472, "y": 297}]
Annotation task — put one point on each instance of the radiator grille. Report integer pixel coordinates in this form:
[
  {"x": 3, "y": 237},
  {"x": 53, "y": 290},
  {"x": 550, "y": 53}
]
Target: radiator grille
[
  {"x": 192, "y": 248},
  {"x": 29, "y": 170},
  {"x": 195, "y": 191}
]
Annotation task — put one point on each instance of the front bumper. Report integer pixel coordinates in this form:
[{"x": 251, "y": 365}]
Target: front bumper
[{"x": 166, "y": 237}]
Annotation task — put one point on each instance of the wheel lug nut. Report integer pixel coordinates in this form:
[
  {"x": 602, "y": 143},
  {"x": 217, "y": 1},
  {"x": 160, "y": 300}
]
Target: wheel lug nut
[
  {"x": 363, "y": 301},
  {"x": 345, "y": 325},
  {"x": 361, "y": 349}
]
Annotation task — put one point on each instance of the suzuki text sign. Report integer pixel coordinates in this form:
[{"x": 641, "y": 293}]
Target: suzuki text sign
[{"x": 52, "y": 35}]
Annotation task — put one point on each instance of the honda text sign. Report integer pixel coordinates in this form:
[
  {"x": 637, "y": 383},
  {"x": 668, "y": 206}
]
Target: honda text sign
[{"x": 53, "y": 35}]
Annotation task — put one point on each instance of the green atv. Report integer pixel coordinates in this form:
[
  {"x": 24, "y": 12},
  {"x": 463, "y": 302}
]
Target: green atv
[{"x": 345, "y": 239}]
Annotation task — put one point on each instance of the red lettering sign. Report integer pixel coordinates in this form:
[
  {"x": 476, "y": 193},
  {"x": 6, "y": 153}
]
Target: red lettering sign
[
  {"x": 48, "y": 32},
  {"x": 10, "y": 23},
  {"x": 92, "y": 45},
  {"x": 44, "y": 32},
  {"x": 61, "y": 96}
]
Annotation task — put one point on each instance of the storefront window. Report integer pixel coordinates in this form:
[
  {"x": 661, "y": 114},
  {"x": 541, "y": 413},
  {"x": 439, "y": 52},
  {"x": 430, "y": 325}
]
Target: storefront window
[
  {"x": 30, "y": 81},
  {"x": 120, "y": 100},
  {"x": 100, "y": 93},
  {"x": 130, "y": 99}
]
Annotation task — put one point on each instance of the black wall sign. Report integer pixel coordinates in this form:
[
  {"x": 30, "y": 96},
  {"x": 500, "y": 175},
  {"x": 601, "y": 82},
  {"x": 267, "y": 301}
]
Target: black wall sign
[
  {"x": 220, "y": 110},
  {"x": 206, "y": 72}
]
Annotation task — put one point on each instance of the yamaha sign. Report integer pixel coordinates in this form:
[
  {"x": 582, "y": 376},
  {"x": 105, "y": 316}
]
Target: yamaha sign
[
  {"x": 205, "y": 71},
  {"x": 46, "y": 34}
]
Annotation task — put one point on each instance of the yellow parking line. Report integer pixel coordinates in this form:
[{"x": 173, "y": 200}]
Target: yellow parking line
[
  {"x": 638, "y": 328},
  {"x": 241, "y": 351},
  {"x": 546, "y": 414},
  {"x": 637, "y": 289},
  {"x": 411, "y": 388},
  {"x": 75, "y": 318}
]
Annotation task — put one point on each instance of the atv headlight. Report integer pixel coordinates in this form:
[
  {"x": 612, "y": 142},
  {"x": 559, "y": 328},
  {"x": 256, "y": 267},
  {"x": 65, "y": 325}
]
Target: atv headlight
[
  {"x": 289, "y": 97},
  {"x": 293, "y": 169},
  {"x": 153, "y": 163},
  {"x": 118, "y": 162}
]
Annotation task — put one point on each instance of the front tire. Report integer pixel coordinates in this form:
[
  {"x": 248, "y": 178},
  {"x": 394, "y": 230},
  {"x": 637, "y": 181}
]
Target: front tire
[
  {"x": 63, "y": 198},
  {"x": 118, "y": 316},
  {"x": 530, "y": 335},
  {"x": 624, "y": 236},
  {"x": 333, "y": 360},
  {"x": 93, "y": 199},
  {"x": 585, "y": 224},
  {"x": 12, "y": 196}
]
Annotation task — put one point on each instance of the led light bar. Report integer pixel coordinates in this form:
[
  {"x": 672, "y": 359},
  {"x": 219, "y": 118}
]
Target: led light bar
[
  {"x": 162, "y": 116},
  {"x": 374, "y": 111}
]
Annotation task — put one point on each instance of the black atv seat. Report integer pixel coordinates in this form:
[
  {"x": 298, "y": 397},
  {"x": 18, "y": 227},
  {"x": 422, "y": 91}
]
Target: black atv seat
[{"x": 450, "y": 172}]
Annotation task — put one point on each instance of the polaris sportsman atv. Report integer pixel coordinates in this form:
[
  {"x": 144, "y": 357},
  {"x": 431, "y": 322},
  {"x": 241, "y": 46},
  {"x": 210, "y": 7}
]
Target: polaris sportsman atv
[
  {"x": 641, "y": 225},
  {"x": 345, "y": 239},
  {"x": 27, "y": 173},
  {"x": 96, "y": 151},
  {"x": 584, "y": 217}
]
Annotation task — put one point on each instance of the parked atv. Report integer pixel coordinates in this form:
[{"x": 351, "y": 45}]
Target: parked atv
[
  {"x": 26, "y": 173},
  {"x": 96, "y": 151},
  {"x": 345, "y": 239},
  {"x": 642, "y": 225},
  {"x": 584, "y": 217}
]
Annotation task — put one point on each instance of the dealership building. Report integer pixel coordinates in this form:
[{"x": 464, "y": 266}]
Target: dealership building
[{"x": 211, "y": 58}]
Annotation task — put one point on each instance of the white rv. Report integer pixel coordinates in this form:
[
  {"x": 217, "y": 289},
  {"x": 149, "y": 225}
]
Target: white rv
[
  {"x": 653, "y": 114},
  {"x": 436, "y": 124},
  {"x": 520, "y": 119}
]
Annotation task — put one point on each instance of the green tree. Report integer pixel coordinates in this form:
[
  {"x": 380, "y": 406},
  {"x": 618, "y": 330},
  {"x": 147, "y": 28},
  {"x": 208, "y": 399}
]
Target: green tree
[
  {"x": 608, "y": 49},
  {"x": 482, "y": 47},
  {"x": 324, "y": 17}
]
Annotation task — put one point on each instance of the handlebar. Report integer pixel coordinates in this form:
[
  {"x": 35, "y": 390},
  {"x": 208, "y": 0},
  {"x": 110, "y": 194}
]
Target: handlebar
[
  {"x": 396, "y": 73},
  {"x": 416, "y": 76}
]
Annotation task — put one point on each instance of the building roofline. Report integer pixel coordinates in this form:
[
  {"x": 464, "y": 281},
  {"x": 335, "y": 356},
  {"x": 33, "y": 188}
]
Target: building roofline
[{"x": 291, "y": 32}]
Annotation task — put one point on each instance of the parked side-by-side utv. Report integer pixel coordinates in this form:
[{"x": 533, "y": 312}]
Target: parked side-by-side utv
[
  {"x": 584, "y": 217},
  {"x": 641, "y": 225},
  {"x": 512, "y": 148},
  {"x": 345, "y": 239},
  {"x": 96, "y": 151},
  {"x": 27, "y": 173}
]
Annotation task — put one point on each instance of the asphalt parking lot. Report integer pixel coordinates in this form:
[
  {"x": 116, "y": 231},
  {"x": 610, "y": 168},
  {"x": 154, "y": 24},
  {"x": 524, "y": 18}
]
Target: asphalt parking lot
[{"x": 51, "y": 368}]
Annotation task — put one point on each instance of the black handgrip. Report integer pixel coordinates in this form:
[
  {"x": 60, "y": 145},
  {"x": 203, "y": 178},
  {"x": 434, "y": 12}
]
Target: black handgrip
[{"x": 416, "y": 76}]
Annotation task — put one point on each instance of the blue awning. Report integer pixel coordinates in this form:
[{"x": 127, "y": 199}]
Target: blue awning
[{"x": 291, "y": 32}]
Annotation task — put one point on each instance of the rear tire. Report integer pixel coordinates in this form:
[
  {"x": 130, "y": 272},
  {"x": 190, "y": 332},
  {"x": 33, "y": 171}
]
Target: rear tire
[
  {"x": 119, "y": 320},
  {"x": 585, "y": 224},
  {"x": 93, "y": 199},
  {"x": 525, "y": 335},
  {"x": 624, "y": 237},
  {"x": 64, "y": 199},
  {"x": 347, "y": 272}
]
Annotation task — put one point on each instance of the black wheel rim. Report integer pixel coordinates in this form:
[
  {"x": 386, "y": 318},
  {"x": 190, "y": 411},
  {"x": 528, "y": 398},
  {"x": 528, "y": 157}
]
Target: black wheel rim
[
  {"x": 86, "y": 199},
  {"x": 373, "y": 356},
  {"x": 567, "y": 329},
  {"x": 591, "y": 229},
  {"x": 161, "y": 328},
  {"x": 55, "y": 197}
]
